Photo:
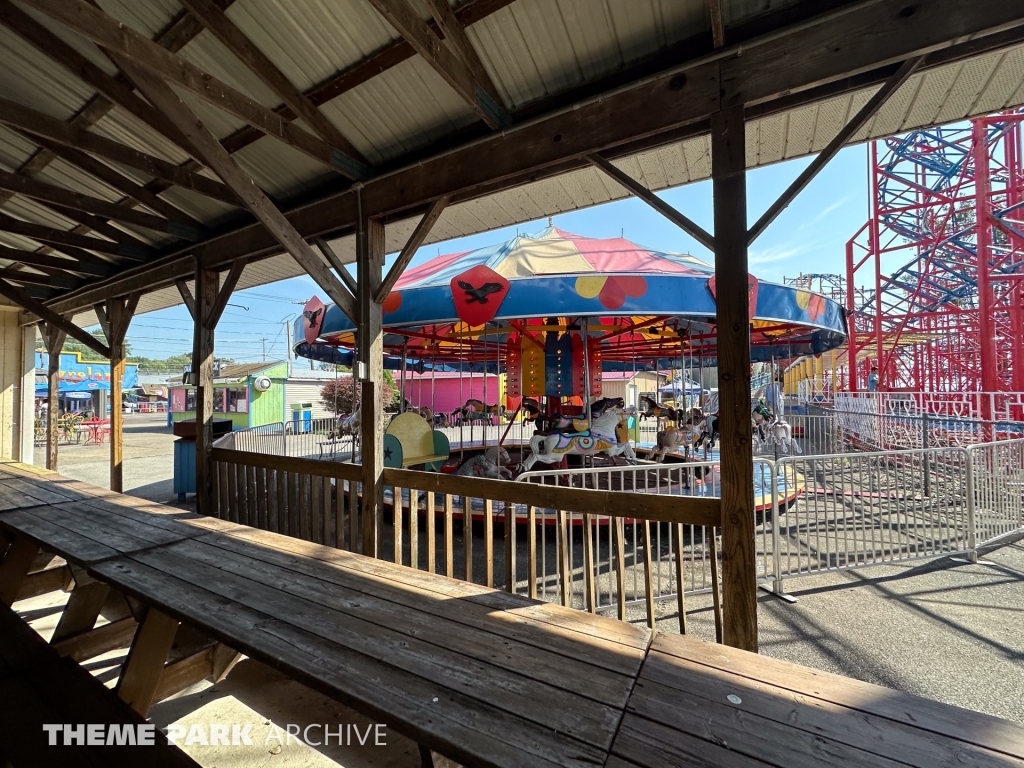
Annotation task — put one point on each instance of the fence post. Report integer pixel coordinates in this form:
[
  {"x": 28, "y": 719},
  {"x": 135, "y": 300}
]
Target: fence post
[
  {"x": 972, "y": 546},
  {"x": 927, "y": 459},
  {"x": 776, "y": 554}
]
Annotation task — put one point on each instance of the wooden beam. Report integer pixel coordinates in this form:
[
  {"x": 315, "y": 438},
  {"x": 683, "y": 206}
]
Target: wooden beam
[
  {"x": 391, "y": 55},
  {"x": 50, "y": 193},
  {"x": 411, "y": 246},
  {"x": 88, "y": 645},
  {"x": 403, "y": 17},
  {"x": 637, "y": 189},
  {"x": 57, "y": 280},
  {"x": 224, "y": 294},
  {"x": 118, "y": 316},
  {"x": 206, "y": 291},
  {"x": 260, "y": 65},
  {"x": 454, "y": 34},
  {"x": 370, "y": 340},
  {"x": 58, "y": 237},
  {"x": 161, "y": 96},
  {"x": 31, "y": 121},
  {"x": 336, "y": 264},
  {"x": 717, "y": 26},
  {"x": 858, "y": 121},
  {"x": 125, "y": 44},
  {"x": 186, "y": 296},
  {"x": 50, "y": 317},
  {"x": 739, "y": 566},
  {"x": 53, "y": 338},
  {"x": 118, "y": 181},
  {"x": 83, "y": 68},
  {"x": 665, "y": 105},
  {"x": 36, "y": 259}
]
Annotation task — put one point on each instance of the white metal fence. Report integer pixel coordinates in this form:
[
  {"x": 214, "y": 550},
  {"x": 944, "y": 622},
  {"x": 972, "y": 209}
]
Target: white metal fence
[{"x": 816, "y": 513}]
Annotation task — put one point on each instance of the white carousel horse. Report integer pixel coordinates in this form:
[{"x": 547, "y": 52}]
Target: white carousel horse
[
  {"x": 770, "y": 427},
  {"x": 600, "y": 438},
  {"x": 490, "y": 464},
  {"x": 347, "y": 424}
]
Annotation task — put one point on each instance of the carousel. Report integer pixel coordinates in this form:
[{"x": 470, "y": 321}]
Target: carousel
[{"x": 543, "y": 318}]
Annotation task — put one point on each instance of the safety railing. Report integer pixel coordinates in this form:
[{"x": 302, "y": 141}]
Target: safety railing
[
  {"x": 304, "y": 439},
  {"x": 993, "y": 406}
]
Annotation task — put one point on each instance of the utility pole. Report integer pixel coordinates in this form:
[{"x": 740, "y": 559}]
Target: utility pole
[{"x": 264, "y": 340}]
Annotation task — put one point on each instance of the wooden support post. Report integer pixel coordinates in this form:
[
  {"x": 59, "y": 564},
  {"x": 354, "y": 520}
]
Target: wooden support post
[
  {"x": 369, "y": 266},
  {"x": 202, "y": 375},
  {"x": 82, "y": 609},
  {"x": 54, "y": 338},
  {"x": 739, "y": 573},
  {"x": 14, "y": 567},
  {"x": 142, "y": 670},
  {"x": 115, "y": 317}
]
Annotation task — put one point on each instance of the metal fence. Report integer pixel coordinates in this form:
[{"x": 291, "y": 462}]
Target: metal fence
[
  {"x": 815, "y": 513},
  {"x": 309, "y": 439}
]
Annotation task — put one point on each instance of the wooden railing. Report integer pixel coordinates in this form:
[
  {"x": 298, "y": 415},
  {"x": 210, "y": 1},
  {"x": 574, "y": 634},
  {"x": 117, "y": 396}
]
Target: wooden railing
[{"x": 422, "y": 526}]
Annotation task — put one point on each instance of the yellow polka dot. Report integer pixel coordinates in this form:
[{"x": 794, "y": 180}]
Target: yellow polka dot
[{"x": 588, "y": 287}]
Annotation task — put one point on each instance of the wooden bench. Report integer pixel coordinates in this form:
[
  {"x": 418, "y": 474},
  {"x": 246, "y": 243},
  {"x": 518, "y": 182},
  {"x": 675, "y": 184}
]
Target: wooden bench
[
  {"x": 39, "y": 687},
  {"x": 410, "y": 441},
  {"x": 696, "y": 703}
]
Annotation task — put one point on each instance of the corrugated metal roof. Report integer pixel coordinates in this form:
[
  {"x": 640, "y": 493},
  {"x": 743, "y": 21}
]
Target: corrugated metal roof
[{"x": 532, "y": 49}]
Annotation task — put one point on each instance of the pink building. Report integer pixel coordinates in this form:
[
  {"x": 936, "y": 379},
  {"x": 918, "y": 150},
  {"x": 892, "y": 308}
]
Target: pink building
[{"x": 444, "y": 392}]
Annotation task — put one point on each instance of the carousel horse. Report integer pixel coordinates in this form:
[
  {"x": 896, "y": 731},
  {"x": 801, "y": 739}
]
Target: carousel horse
[
  {"x": 707, "y": 432},
  {"x": 490, "y": 465},
  {"x": 657, "y": 410},
  {"x": 475, "y": 410},
  {"x": 768, "y": 426},
  {"x": 530, "y": 409},
  {"x": 668, "y": 440},
  {"x": 347, "y": 424},
  {"x": 423, "y": 411},
  {"x": 602, "y": 437},
  {"x": 598, "y": 407},
  {"x": 763, "y": 418}
]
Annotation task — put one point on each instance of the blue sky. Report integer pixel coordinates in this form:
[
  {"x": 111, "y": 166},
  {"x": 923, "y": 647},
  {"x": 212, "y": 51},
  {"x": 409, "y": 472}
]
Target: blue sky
[{"x": 809, "y": 236}]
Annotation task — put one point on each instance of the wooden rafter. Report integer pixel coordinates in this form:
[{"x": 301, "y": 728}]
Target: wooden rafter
[
  {"x": 117, "y": 180},
  {"x": 125, "y": 44},
  {"x": 403, "y": 17},
  {"x": 82, "y": 67},
  {"x": 391, "y": 55},
  {"x": 639, "y": 190},
  {"x": 35, "y": 259},
  {"x": 337, "y": 265},
  {"x": 411, "y": 246},
  {"x": 214, "y": 19},
  {"x": 35, "y": 278},
  {"x": 717, "y": 25},
  {"x": 49, "y": 235},
  {"x": 50, "y": 193},
  {"x": 29, "y": 120},
  {"x": 48, "y": 316},
  {"x": 456, "y": 38},
  {"x": 858, "y": 121},
  {"x": 164, "y": 99}
]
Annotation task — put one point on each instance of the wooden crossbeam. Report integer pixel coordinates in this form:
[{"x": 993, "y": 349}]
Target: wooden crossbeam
[
  {"x": 58, "y": 237},
  {"x": 403, "y": 17},
  {"x": 214, "y": 19},
  {"x": 457, "y": 39},
  {"x": 50, "y": 193},
  {"x": 223, "y": 294},
  {"x": 411, "y": 246},
  {"x": 164, "y": 99},
  {"x": 36, "y": 259},
  {"x": 337, "y": 265},
  {"x": 70, "y": 135},
  {"x": 125, "y": 44},
  {"x": 857, "y": 122},
  {"x": 717, "y": 26},
  {"x": 51, "y": 318},
  {"x": 82, "y": 67},
  {"x": 639, "y": 190},
  {"x": 35, "y": 278},
  {"x": 186, "y": 296},
  {"x": 118, "y": 181},
  {"x": 391, "y": 55}
]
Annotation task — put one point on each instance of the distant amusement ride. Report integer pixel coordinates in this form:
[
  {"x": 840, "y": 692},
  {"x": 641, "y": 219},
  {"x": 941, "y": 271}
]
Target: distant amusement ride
[{"x": 550, "y": 314}]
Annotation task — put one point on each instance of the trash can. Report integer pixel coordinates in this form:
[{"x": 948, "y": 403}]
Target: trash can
[{"x": 302, "y": 418}]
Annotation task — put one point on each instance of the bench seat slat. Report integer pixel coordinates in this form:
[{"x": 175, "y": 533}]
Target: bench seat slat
[{"x": 464, "y": 728}]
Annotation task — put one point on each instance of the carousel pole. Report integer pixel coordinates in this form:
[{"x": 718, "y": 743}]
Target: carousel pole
[
  {"x": 405, "y": 360},
  {"x": 586, "y": 370},
  {"x": 487, "y": 413}
]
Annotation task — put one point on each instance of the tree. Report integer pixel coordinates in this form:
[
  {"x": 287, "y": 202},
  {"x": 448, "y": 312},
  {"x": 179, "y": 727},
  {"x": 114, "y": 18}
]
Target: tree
[
  {"x": 74, "y": 345},
  {"x": 339, "y": 395}
]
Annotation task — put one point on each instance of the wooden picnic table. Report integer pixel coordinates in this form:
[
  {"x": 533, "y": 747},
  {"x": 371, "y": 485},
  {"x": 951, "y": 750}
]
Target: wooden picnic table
[{"x": 479, "y": 675}]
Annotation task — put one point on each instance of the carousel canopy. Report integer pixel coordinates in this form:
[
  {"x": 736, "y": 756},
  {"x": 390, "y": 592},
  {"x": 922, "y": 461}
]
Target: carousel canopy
[{"x": 643, "y": 306}]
